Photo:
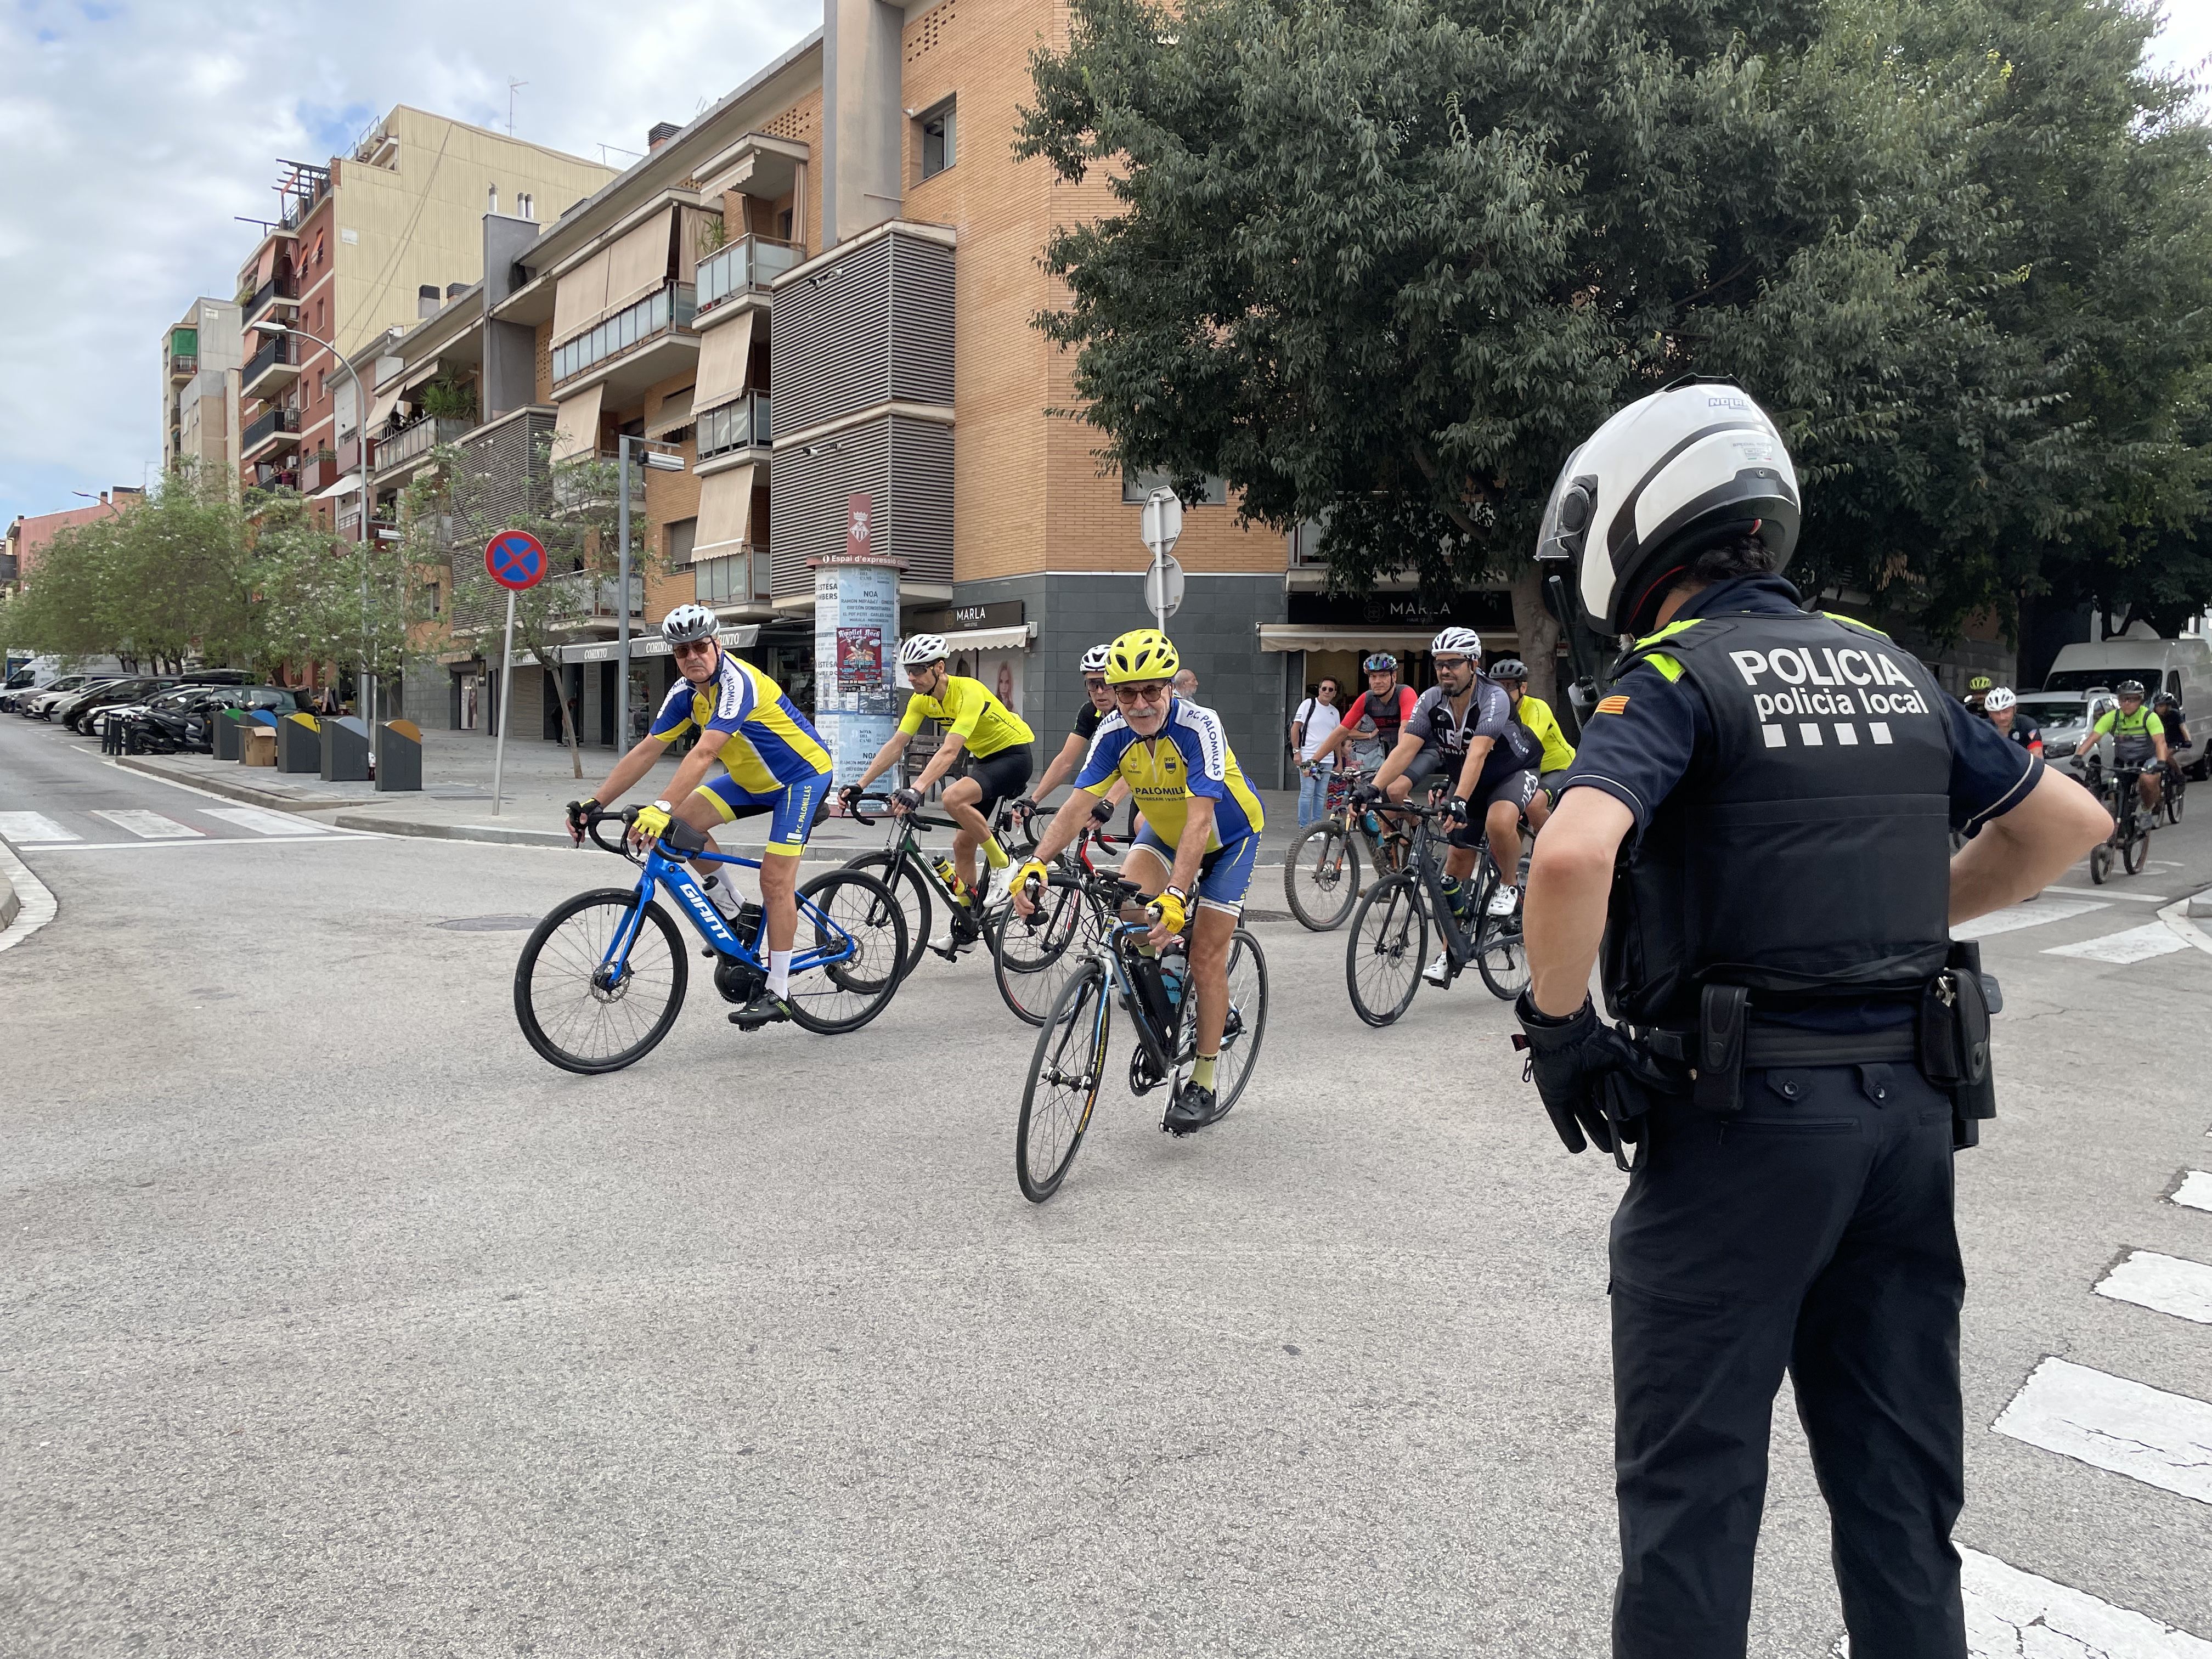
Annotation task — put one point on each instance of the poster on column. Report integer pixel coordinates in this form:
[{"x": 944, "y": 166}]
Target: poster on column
[{"x": 859, "y": 659}]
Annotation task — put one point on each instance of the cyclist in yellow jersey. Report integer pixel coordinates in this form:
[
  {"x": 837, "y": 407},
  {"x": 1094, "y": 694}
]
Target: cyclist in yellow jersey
[
  {"x": 1537, "y": 716},
  {"x": 996, "y": 741},
  {"x": 2138, "y": 740},
  {"x": 1201, "y": 834}
]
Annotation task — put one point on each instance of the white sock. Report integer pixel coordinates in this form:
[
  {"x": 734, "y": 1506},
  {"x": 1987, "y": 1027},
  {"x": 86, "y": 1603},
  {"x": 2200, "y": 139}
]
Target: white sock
[{"x": 779, "y": 972}]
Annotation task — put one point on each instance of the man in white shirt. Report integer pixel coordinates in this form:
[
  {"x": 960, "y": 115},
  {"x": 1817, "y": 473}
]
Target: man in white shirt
[{"x": 1317, "y": 716}]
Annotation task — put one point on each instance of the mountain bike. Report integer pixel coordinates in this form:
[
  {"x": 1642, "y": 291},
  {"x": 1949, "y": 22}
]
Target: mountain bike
[
  {"x": 1034, "y": 955},
  {"x": 1068, "y": 1065},
  {"x": 602, "y": 977},
  {"x": 2131, "y": 823},
  {"x": 1321, "y": 870},
  {"x": 907, "y": 869},
  {"x": 1389, "y": 942},
  {"x": 2171, "y": 782}
]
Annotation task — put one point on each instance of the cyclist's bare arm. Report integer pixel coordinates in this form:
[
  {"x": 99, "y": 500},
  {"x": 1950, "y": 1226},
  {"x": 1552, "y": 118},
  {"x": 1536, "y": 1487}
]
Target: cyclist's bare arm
[
  {"x": 1062, "y": 768},
  {"x": 886, "y": 757},
  {"x": 1400, "y": 758},
  {"x": 643, "y": 756},
  {"x": 1066, "y": 824},
  {"x": 2016, "y": 856},
  {"x": 1470, "y": 773},
  {"x": 940, "y": 763}
]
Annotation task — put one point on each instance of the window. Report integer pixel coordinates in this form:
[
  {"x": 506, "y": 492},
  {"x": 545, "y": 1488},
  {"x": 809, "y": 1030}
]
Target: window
[
  {"x": 783, "y": 224},
  {"x": 1136, "y": 486},
  {"x": 683, "y": 537},
  {"x": 938, "y": 150}
]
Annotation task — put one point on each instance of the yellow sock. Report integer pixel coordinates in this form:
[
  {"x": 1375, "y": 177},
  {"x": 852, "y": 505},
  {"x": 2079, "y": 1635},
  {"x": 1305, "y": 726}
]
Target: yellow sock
[
  {"x": 994, "y": 854},
  {"x": 1201, "y": 1073}
]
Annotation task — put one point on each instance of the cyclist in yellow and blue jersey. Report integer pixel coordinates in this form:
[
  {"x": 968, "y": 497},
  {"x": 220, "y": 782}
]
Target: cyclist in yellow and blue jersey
[
  {"x": 773, "y": 761},
  {"x": 1201, "y": 834},
  {"x": 996, "y": 741}
]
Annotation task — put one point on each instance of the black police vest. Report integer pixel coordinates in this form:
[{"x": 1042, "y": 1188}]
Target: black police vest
[{"x": 1808, "y": 854}]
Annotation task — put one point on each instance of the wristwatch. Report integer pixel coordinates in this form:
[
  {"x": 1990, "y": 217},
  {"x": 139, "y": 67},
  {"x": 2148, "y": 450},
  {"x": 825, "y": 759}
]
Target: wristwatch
[{"x": 663, "y": 806}]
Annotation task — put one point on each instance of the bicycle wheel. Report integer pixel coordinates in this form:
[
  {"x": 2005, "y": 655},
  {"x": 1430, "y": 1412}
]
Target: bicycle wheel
[
  {"x": 2134, "y": 853},
  {"x": 2173, "y": 799},
  {"x": 1321, "y": 875},
  {"x": 1389, "y": 940},
  {"x": 1032, "y": 960},
  {"x": 1065, "y": 1069},
  {"x": 583, "y": 1015},
  {"x": 846, "y": 994},
  {"x": 898, "y": 874},
  {"x": 1502, "y": 956},
  {"x": 1247, "y": 1019},
  {"x": 2101, "y": 862}
]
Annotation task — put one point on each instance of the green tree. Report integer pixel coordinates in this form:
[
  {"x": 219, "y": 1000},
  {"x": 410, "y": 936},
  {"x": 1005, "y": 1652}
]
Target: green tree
[
  {"x": 328, "y": 599},
  {"x": 1382, "y": 262},
  {"x": 452, "y": 508}
]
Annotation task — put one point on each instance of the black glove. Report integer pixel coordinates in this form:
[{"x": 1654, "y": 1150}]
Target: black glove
[
  {"x": 579, "y": 811},
  {"x": 1102, "y": 811},
  {"x": 907, "y": 801},
  {"x": 1456, "y": 809},
  {"x": 1589, "y": 1075},
  {"x": 849, "y": 799},
  {"x": 1366, "y": 794},
  {"x": 1021, "y": 807}
]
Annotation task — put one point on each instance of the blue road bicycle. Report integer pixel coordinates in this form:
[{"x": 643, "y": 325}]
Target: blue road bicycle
[{"x": 602, "y": 978}]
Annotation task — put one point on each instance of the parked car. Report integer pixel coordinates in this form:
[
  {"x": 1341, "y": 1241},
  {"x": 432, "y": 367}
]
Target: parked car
[
  {"x": 183, "y": 718},
  {"x": 40, "y": 705},
  {"x": 122, "y": 713},
  {"x": 73, "y": 712}
]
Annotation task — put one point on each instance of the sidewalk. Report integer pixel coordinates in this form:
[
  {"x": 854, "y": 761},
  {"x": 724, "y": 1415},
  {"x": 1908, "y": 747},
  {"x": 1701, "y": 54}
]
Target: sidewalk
[{"x": 455, "y": 802}]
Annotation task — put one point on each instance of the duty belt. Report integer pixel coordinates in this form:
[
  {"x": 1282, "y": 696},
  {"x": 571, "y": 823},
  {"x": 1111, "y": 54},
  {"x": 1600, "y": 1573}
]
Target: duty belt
[{"x": 1768, "y": 1046}]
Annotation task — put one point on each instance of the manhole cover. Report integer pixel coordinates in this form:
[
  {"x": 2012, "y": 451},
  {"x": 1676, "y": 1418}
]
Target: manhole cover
[{"x": 488, "y": 924}]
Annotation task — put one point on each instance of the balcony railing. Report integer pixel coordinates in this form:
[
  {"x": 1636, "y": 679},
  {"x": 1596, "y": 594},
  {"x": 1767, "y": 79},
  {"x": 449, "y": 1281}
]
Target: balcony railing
[
  {"x": 417, "y": 439},
  {"x": 279, "y": 349},
  {"x": 275, "y": 422},
  {"x": 669, "y": 307},
  {"x": 578, "y": 487},
  {"x": 183, "y": 366},
  {"x": 586, "y": 595},
  {"x": 283, "y": 286},
  {"x": 740, "y": 578},
  {"x": 741, "y": 425},
  {"x": 748, "y": 263},
  {"x": 349, "y": 521}
]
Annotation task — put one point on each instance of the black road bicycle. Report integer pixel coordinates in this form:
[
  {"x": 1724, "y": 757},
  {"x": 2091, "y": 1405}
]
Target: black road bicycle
[
  {"x": 1036, "y": 955},
  {"x": 1068, "y": 1065},
  {"x": 1389, "y": 942},
  {"x": 1321, "y": 870},
  {"x": 905, "y": 866},
  {"x": 2132, "y": 822}
]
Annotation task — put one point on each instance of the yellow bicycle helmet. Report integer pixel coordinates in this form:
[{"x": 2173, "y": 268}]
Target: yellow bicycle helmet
[{"x": 1142, "y": 653}]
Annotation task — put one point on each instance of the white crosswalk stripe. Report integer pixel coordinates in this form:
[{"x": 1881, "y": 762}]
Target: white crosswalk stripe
[
  {"x": 2167, "y": 1284},
  {"x": 2195, "y": 1191},
  {"x": 30, "y": 829},
  {"x": 148, "y": 826},
  {"x": 2135, "y": 945},
  {"x": 263, "y": 824},
  {"x": 2016, "y": 917},
  {"x": 2011, "y": 1614},
  {"x": 2162, "y": 1439}
]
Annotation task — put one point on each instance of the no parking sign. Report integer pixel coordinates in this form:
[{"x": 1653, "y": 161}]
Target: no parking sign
[{"x": 515, "y": 559}]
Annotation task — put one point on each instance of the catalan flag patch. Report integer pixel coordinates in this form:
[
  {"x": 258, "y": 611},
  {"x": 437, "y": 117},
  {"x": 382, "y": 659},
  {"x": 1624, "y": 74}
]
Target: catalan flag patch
[{"x": 1613, "y": 705}]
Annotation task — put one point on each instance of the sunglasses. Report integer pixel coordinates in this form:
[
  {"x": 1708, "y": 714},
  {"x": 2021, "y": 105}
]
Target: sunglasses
[
  {"x": 1444, "y": 663},
  {"x": 1156, "y": 692},
  {"x": 1095, "y": 684},
  {"x": 692, "y": 647}
]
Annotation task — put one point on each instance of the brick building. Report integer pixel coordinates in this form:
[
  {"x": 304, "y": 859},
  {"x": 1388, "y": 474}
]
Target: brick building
[{"x": 820, "y": 291}]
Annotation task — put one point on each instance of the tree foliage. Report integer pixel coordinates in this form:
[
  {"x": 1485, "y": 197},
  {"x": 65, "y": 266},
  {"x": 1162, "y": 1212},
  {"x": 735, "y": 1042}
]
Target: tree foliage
[{"x": 1382, "y": 263}]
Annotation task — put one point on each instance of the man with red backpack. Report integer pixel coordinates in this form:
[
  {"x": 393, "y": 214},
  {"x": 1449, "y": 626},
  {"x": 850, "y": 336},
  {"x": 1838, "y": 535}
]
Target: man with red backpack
[{"x": 1389, "y": 703}]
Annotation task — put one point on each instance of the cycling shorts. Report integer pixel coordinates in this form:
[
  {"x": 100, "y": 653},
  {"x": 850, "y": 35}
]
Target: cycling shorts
[
  {"x": 1225, "y": 875},
  {"x": 1550, "y": 782},
  {"x": 795, "y": 807},
  {"x": 1517, "y": 787},
  {"x": 1002, "y": 776}
]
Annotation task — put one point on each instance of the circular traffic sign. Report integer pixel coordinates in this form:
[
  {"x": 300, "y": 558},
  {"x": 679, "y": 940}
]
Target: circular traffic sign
[{"x": 515, "y": 559}]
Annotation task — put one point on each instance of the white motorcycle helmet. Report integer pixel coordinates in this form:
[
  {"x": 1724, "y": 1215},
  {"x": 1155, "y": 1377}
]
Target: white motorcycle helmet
[{"x": 1668, "y": 477}]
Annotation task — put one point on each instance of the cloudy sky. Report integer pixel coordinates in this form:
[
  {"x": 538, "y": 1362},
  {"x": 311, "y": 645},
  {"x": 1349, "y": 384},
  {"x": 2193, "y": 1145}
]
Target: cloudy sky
[{"x": 132, "y": 131}]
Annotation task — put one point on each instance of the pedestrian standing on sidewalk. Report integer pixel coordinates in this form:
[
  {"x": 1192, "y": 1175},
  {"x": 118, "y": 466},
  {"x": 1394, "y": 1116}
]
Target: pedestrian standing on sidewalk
[
  {"x": 1317, "y": 716},
  {"x": 1809, "y": 1045}
]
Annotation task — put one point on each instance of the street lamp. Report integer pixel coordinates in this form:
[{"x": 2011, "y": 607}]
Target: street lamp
[
  {"x": 361, "y": 438},
  {"x": 656, "y": 460}
]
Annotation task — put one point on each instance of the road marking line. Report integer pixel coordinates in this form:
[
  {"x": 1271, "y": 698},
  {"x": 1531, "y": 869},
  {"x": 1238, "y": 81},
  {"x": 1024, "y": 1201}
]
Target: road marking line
[
  {"x": 198, "y": 840},
  {"x": 2136, "y": 944},
  {"x": 2195, "y": 1191},
  {"x": 2176, "y": 917},
  {"x": 30, "y": 829},
  {"x": 148, "y": 826},
  {"x": 2164, "y": 1284},
  {"x": 2016, "y": 917},
  {"x": 2107, "y": 893},
  {"x": 34, "y": 898},
  {"x": 261, "y": 822},
  {"x": 2162, "y": 1439},
  {"x": 2010, "y": 1613}
]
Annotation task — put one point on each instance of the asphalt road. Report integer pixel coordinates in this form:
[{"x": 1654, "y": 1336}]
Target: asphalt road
[{"x": 338, "y": 1323}]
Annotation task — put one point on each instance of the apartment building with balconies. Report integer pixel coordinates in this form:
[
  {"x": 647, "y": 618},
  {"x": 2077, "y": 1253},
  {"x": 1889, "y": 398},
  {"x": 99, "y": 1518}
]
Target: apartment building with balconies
[
  {"x": 373, "y": 241},
  {"x": 200, "y": 370}
]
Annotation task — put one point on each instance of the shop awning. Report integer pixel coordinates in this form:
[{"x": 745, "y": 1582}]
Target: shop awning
[
  {"x": 737, "y": 637},
  {"x": 1016, "y": 638},
  {"x": 1298, "y": 636}
]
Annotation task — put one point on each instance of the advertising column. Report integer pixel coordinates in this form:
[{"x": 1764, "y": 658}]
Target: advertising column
[{"x": 857, "y": 702}]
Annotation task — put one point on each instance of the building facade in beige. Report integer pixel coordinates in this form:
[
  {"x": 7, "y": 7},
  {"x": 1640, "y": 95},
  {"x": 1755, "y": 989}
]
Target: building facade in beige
[{"x": 200, "y": 367}]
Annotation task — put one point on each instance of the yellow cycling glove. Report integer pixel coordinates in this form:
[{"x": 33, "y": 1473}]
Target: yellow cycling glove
[
  {"x": 1174, "y": 908},
  {"x": 651, "y": 822},
  {"x": 1033, "y": 870}
]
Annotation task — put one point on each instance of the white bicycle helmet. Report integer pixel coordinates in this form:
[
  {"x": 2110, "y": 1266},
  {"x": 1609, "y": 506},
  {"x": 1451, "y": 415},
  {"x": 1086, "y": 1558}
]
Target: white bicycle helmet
[
  {"x": 687, "y": 623},
  {"x": 1666, "y": 477},
  {"x": 1460, "y": 642},
  {"x": 920, "y": 648},
  {"x": 1095, "y": 659},
  {"x": 1998, "y": 699}
]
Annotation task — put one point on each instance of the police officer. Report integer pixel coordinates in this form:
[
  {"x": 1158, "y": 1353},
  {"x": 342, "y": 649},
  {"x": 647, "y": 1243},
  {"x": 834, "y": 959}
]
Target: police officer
[{"x": 1801, "y": 1041}]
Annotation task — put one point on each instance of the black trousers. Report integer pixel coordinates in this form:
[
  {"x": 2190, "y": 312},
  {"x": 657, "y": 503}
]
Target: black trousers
[{"x": 1811, "y": 1232}]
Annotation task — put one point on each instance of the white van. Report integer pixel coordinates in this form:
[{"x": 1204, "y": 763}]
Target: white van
[{"x": 2069, "y": 699}]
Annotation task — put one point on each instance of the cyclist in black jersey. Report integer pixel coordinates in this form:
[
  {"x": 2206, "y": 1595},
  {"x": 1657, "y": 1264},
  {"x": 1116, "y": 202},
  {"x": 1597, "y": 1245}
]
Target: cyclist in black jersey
[
  {"x": 2002, "y": 708},
  {"x": 1078, "y": 743},
  {"x": 2168, "y": 708}
]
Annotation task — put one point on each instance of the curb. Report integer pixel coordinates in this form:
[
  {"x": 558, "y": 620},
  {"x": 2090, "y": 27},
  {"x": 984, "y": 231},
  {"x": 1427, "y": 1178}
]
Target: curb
[
  {"x": 499, "y": 834},
  {"x": 2177, "y": 916},
  {"x": 26, "y": 903},
  {"x": 11, "y": 906},
  {"x": 224, "y": 787}
]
